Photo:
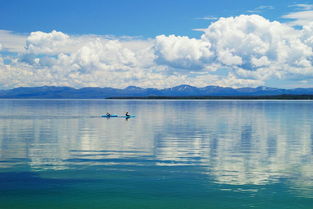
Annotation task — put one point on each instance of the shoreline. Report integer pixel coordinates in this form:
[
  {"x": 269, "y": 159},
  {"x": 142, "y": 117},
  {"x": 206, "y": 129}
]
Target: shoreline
[{"x": 245, "y": 97}]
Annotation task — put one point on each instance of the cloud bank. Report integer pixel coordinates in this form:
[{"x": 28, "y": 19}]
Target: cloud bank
[{"x": 246, "y": 50}]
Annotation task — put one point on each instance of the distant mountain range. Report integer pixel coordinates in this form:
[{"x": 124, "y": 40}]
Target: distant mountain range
[{"x": 133, "y": 91}]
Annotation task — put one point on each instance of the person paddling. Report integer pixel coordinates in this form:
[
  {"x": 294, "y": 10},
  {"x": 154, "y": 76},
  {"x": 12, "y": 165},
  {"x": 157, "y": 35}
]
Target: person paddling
[
  {"x": 127, "y": 115},
  {"x": 108, "y": 114}
]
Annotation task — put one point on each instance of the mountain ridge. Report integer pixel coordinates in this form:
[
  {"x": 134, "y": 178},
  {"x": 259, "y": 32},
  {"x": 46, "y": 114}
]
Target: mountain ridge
[{"x": 64, "y": 92}]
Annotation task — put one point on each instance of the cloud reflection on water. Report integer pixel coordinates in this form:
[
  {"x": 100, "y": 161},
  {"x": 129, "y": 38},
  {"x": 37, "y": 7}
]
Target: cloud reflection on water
[{"x": 235, "y": 142}]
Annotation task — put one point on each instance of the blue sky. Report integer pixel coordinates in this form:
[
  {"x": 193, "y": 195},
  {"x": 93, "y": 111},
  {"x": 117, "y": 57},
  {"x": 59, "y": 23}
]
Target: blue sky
[
  {"x": 156, "y": 43},
  {"x": 144, "y": 18}
]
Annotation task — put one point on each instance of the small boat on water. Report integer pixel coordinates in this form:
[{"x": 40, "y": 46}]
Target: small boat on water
[
  {"x": 109, "y": 116},
  {"x": 116, "y": 116},
  {"x": 128, "y": 116}
]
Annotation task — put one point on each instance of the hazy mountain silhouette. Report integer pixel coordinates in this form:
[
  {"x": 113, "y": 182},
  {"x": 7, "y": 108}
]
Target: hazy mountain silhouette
[{"x": 181, "y": 90}]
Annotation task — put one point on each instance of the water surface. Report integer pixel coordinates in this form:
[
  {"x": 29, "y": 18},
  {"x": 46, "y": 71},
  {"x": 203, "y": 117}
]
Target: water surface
[{"x": 174, "y": 154}]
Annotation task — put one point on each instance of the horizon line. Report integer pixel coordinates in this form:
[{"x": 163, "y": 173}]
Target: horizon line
[{"x": 152, "y": 87}]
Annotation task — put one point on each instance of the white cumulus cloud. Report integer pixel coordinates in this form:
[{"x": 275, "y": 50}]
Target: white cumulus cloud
[
  {"x": 182, "y": 52},
  {"x": 252, "y": 42},
  {"x": 246, "y": 50}
]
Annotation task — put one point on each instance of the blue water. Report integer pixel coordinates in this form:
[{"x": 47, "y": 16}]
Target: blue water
[{"x": 174, "y": 154}]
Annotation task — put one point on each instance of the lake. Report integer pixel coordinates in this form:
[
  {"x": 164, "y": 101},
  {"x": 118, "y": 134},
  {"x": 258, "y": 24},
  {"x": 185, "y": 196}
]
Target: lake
[{"x": 176, "y": 154}]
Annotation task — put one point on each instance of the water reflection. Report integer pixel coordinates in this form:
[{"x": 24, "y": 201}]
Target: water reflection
[{"x": 235, "y": 142}]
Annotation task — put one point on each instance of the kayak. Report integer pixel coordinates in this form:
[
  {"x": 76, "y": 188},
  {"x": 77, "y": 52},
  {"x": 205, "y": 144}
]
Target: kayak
[
  {"x": 116, "y": 116},
  {"x": 109, "y": 116},
  {"x": 130, "y": 116}
]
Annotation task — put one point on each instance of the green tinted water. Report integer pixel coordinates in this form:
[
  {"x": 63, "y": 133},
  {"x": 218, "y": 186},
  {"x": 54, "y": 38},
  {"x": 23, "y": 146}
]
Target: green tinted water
[{"x": 174, "y": 154}]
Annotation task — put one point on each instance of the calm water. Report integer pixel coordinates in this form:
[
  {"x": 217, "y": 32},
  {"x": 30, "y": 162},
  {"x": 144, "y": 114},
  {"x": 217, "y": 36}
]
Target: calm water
[{"x": 175, "y": 154}]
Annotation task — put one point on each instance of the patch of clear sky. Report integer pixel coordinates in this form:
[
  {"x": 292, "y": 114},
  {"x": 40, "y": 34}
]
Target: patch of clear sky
[{"x": 143, "y": 18}]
